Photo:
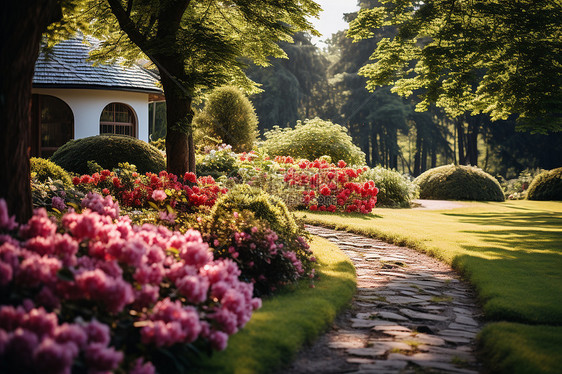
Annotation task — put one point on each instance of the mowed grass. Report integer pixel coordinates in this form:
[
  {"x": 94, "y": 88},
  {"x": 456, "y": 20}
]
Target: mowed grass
[
  {"x": 289, "y": 320},
  {"x": 511, "y": 252}
]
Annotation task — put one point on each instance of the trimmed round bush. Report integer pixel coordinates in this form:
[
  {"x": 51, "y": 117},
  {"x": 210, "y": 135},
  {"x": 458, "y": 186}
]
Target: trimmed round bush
[
  {"x": 313, "y": 139},
  {"x": 229, "y": 116},
  {"x": 108, "y": 151},
  {"x": 459, "y": 182},
  {"x": 395, "y": 190},
  {"x": 546, "y": 186},
  {"x": 263, "y": 205},
  {"x": 45, "y": 169}
]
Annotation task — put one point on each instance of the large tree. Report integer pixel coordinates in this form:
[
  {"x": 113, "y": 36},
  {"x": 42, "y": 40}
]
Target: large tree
[
  {"x": 21, "y": 25},
  {"x": 487, "y": 56},
  {"x": 197, "y": 44}
]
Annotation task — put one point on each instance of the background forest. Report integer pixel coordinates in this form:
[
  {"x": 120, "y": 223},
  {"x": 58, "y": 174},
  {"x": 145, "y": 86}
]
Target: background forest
[{"x": 325, "y": 83}]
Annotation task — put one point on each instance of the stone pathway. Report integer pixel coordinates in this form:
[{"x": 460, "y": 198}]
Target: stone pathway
[{"x": 411, "y": 314}]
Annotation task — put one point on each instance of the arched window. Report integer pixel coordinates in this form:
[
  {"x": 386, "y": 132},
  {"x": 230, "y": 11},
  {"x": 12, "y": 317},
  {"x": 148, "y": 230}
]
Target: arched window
[
  {"x": 118, "y": 118},
  {"x": 52, "y": 125}
]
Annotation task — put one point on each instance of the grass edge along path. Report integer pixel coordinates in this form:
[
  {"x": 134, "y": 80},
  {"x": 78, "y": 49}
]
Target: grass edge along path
[
  {"x": 290, "y": 319},
  {"x": 510, "y": 252}
]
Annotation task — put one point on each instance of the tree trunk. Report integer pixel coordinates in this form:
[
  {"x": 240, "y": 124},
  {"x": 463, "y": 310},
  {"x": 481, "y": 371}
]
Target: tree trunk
[
  {"x": 21, "y": 25},
  {"x": 461, "y": 140},
  {"x": 375, "y": 160},
  {"x": 472, "y": 139},
  {"x": 417, "y": 157},
  {"x": 180, "y": 150}
]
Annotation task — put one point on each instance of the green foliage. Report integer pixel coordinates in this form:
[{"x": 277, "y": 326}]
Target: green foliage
[
  {"x": 458, "y": 182},
  {"x": 264, "y": 206},
  {"x": 313, "y": 139},
  {"x": 108, "y": 151},
  {"x": 517, "y": 188},
  {"x": 395, "y": 190},
  {"x": 546, "y": 186},
  {"x": 45, "y": 169},
  {"x": 294, "y": 87},
  {"x": 477, "y": 57},
  {"x": 230, "y": 116},
  {"x": 159, "y": 144},
  {"x": 218, "y": 162}
]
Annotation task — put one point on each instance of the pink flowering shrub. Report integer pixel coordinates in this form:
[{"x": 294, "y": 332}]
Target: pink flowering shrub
[
  {"x": 267, "y": 260},
  {"x": 143, "y": 283},
  {"x": 33, "y": 341}
]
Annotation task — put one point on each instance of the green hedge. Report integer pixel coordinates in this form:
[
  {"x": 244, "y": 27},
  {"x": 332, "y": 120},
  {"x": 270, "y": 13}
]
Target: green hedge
[
  {"x": 459, "y": 182},
  {"x": 546, "y": 186},
  {"x": 108, "y": 151}
]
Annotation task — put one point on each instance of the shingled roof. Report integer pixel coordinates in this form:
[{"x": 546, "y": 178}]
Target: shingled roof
[{"x": 67, "y": 67}]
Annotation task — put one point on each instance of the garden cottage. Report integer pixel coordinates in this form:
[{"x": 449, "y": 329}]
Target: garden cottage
[{"x": 73, "y": 98}]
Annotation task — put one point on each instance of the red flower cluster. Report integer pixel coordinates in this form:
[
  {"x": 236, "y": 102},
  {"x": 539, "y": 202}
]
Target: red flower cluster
[
  {"x": 327, "y": 187},
  {"x": 138, "y": 190}
]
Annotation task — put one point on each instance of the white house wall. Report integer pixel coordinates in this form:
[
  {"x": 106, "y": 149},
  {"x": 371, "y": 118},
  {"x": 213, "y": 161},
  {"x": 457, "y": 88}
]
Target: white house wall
[{"x": 87, "y": 106}]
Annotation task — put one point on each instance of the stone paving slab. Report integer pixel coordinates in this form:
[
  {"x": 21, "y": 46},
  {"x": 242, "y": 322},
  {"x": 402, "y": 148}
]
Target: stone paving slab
[{"x": 411, "y": 314}]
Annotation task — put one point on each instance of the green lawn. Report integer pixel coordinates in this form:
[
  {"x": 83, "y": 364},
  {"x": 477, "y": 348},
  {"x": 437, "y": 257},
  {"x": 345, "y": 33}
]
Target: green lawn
[
  {"x": 289, "y": 320},
  {"x": 511, "y": 252}
]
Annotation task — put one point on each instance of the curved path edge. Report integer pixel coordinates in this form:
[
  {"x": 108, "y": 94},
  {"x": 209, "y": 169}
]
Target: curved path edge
[{"x": 411, "y": 314}]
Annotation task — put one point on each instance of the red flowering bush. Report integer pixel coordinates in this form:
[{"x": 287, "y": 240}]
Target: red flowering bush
[
  {"x": 143, "y": 284},
  {"x": 327, "y": 187},
  {"x": 150, "y": 190}
]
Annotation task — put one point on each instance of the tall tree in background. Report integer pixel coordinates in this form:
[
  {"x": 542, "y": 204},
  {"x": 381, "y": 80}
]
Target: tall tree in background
[
  {"x": 21, "y": 25},
  {"x": 492, "y": 57},
  {"x": 294, "y": 87},
  {"x": 196, "y": 45}
]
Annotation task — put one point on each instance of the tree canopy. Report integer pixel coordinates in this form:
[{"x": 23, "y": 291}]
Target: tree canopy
[
  {"x": 195, "y": 45},
  {"x": 489, "y": 56}
]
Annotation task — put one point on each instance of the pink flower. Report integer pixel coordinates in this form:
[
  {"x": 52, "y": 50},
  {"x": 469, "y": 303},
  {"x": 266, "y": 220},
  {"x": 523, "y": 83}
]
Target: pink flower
[
  {"x": 53, "y": 357},
  {"x": 102, "y": 358},
  {"x": 159, "y": 195},
  {"x": 141, "y": 367}
]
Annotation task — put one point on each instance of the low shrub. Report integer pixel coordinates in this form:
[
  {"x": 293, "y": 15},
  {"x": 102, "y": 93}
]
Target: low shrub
[
  {"x": 267, "y": 260},
  {"x": 459, "y": 182},
  {"x": 102, "y": 295},
  {"x": 218, "y": 162},
  {"x": 247, "y": 217},
  {"x": 515, "y": 189},
  {"x": 163, "y": 191},
  {"x": 108, "y": 151},
  {"x": 546, "y": 186},
  {"x": 327, "y": 187},
  {"x": 313, "y": 139},
  {"x": 45, "y": 169},
  {"x": 264, "y": 206},
  {"x": 395, "y": 190}
]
